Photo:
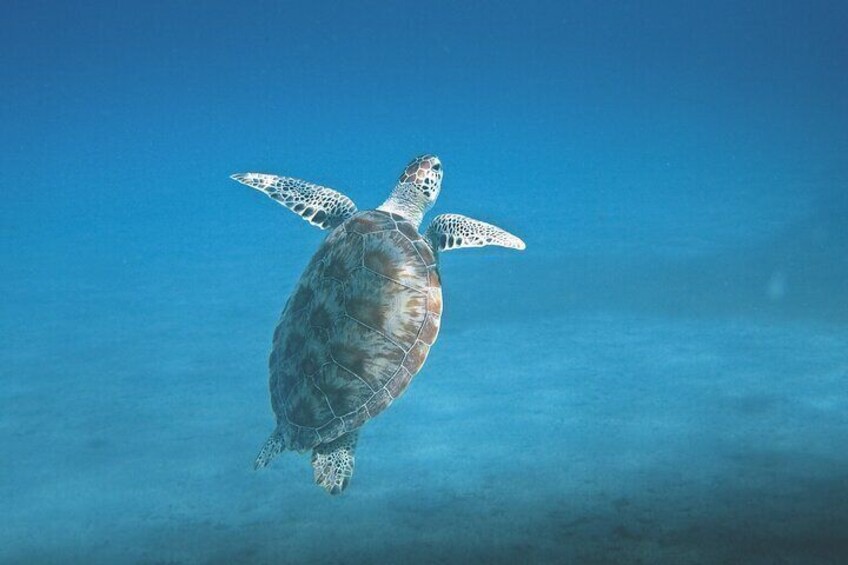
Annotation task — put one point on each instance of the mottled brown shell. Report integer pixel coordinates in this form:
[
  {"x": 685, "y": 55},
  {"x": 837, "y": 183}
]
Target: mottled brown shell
[{"x": 357, "y": 328}]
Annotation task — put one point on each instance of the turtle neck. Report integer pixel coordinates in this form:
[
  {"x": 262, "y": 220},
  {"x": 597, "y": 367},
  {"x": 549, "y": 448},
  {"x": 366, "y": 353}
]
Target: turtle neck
[{"x": 407, "y": 201}]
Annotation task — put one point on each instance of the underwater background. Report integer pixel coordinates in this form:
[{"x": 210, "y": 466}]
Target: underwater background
[{"x": 661, "y": 377}]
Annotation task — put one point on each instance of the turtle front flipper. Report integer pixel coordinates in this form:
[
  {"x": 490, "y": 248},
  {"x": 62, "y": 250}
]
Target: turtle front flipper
[
  {"x": 333, "y": 462},
  {"x": 453, "y": 231},
  {"x": 320, "y": 206}
]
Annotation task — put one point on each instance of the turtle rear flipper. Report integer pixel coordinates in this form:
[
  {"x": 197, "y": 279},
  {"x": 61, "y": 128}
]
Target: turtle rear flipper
[
  {"x": 333, "y": 462},
  {"x": 272, "y": 447}
]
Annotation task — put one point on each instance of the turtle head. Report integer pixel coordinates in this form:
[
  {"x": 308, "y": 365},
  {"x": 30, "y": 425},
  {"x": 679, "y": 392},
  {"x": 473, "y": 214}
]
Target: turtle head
[
  {"x": 416, "y": 190},
  {"x": 425, "y": 173}
]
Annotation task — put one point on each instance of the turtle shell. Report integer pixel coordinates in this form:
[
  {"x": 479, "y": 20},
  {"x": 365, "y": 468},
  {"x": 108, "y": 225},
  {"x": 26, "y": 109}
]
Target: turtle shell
[{"x": 357, "y": 328}]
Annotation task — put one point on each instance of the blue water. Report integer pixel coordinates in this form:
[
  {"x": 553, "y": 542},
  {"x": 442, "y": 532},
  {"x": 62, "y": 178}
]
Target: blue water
[{"x": 661, "y": 377}]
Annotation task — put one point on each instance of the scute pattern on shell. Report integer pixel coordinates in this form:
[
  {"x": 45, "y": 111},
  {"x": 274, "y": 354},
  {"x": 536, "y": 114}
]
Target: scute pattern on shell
[{"x": 358, "y": 327}]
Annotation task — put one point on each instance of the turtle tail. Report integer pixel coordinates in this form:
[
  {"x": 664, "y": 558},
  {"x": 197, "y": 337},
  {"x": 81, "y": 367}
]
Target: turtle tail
[{"x": 272, "y": 447}]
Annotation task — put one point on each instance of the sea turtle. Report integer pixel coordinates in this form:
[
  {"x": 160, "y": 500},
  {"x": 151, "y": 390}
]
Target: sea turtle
[{"x": 364, "y": 314}]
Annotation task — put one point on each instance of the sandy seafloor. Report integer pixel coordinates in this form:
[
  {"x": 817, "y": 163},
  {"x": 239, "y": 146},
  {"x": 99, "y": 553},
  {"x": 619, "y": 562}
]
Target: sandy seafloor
[{"x": 592, "y": 431}]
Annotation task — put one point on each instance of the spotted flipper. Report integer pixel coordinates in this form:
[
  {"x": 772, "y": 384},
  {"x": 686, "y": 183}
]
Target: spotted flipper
[
  {"x": 333, "y": 462},
  {"x": 320, "y": 206},
  {"x": 453, "y": 231},
  {"x": 273, "y": 446}
]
